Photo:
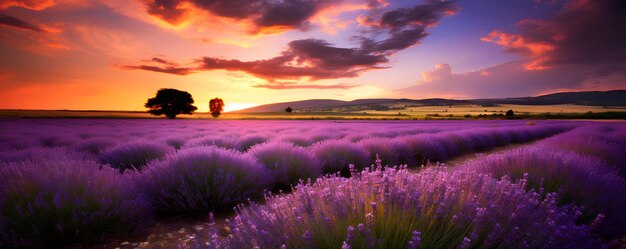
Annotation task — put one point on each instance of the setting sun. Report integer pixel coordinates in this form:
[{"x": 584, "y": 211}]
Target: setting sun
[{"x": 229, "y": 107}]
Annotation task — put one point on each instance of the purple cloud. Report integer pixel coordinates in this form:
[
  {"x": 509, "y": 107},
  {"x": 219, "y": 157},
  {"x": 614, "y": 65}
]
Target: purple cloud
[
  {"x": 313, "y": 59},
  {"x": 18, "y": 23}
]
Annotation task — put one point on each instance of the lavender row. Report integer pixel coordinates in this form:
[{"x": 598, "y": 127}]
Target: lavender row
[
  {"x": 175, "y": 176},
  {"x": 61, "y": 203},
  {"x": 582, "y": 166},
  {"x": 393, "y": 208},
  {"x": 183, "y": 185}
]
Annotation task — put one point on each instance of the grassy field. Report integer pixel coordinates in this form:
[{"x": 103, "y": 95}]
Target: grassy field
[
  {"x": 461, "y": 110},
  {"x": 398, "y": 111}
]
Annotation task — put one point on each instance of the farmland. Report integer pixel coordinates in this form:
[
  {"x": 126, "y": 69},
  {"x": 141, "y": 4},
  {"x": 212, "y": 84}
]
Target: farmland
[
  {"x": 96, "y": 183},
  {"x": 394, "y": 111}
]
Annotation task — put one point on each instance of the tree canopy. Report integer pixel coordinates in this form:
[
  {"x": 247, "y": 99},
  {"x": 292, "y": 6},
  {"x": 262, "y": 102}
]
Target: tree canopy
[
  {"x": 170, "y": 102},
  {"x": 216, "y": 107}
]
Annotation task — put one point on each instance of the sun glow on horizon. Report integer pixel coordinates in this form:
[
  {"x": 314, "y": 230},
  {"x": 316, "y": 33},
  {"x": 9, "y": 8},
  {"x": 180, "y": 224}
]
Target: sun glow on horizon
[{"x": 229, "y": 107}]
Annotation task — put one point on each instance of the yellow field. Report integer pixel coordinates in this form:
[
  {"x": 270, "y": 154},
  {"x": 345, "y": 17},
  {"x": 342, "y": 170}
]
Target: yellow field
[
  {"x": 199, "y": 115},
  {"x": 474, "y": 110}
]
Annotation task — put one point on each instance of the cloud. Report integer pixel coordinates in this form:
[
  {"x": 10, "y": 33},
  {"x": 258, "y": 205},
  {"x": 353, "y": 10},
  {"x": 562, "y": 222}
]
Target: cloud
[
  {"x": 163, "y": 61},
  {"x": 406, "y": 26},
  {"x": 314, "y": 59},
  {"x": 27, "y": 4},
  {"x": 579, "y": 48},
  {"x": 168, "y": 69},
  {"x": 18, "y": 23},
  {"x": 264, "y": 15},
  {"x": 585, "y": 32},
  {"x": 510, "y": 79},
  {"x": 295, "y": 85},
  {"x": 171, "y": 11},
  {"x": 418, "y": 16}
]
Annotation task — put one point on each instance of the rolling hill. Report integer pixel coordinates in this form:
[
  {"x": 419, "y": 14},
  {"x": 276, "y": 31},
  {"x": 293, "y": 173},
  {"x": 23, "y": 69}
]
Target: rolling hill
[{"x": 595, "y": 98}]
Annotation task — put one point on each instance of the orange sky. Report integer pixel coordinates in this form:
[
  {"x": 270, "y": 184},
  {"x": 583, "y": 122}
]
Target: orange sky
[{"x": 114, "y": 55}]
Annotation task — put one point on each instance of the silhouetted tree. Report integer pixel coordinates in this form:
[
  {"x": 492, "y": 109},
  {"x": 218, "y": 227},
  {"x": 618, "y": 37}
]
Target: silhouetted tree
[
  {"x": 170, "y": 102},
  {"x": 509, "y": 114},
  {"x": 216, "y": 107},
  {"x": 288, "y": 109}
]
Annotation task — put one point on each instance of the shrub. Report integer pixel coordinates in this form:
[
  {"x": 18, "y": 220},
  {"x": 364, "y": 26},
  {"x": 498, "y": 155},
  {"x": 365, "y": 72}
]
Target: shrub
[
  {"x": 398, "y": 209},
  {"x": 133, "y": 156},
  {"x": 95, "y": 145},
  {"x": 426, "y": 148},
  {"x": 60, "y": 203},
  {"x": 175, "y": 142},
  {"x": 451, "y": 149},
  {"x": 294, "y": 139},
  {"x": 245, "y": 142},
  {"x": 336, "y": 155},
  {"x": 203, "y": 179},
  {"x": 55, "y": 141},
  {"x": 389, "y": 151},
  {"x": 287, "y": 163},
  {"x": 612, "y": 154},
  {"x": 217, "y": 141},
  {"x": 501, "y": 138},
  {"x": 39, "y": 154},
  {"x": 14, "y": 142},
  {"x": 581, "y": 181}
]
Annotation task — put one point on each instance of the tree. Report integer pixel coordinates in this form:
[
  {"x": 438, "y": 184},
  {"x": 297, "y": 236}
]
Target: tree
[
  {"x": 216, "y": 107},
  {"x": 288, "y": 109},
  {"x": 509, "y": 114},
  {"x": 170, "y": 102}
]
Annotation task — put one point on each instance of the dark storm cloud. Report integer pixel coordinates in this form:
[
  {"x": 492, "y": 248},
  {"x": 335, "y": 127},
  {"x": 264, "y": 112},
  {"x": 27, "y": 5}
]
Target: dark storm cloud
[
  {"x": 312, "y": 58},
  {"x": 418, "y": 16},
  {"x": 585, "y": 32},
  {"x": 397, "y": 41},
  {"x": 406, "y": 26},
  {"x": 18, "y": 23},
  {"x": 315, "y": 59},
  {"x": 168, "y": 10},
  {"x": 263, "y": 14}
]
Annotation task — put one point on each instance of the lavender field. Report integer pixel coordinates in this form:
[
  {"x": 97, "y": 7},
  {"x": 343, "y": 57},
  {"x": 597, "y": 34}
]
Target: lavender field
[{"x": 314, "y": 184}]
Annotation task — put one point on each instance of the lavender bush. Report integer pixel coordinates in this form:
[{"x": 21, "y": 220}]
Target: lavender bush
[
  {"x": 336, "y": 155},
  {"x": 391, "y": 151},
  {"x": 217, "y": 141},
  {"x": 95, "y": 145},
  {"x": 426, "y": 148},
  {"x": 39, "y": 154},
  {"x": 393, "y": 208},
  {"x": 596, "y": 145},
  {"x": 203, "y": 179},
  {"x": 287, "y": 163},
  {"x": 581, "y": 181},
  {"x": 60, "y": 203},
  {"x": 133, "y": 156},
  {"x": 245, "y": 142},
  {"x": 175, "y": 142}
]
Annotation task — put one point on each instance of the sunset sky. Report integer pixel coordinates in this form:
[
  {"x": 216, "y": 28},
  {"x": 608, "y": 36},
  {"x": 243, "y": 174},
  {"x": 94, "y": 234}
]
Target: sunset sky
[{"x": 115, "y": 54}]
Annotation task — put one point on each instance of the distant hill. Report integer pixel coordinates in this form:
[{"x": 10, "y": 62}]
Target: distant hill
[
  {"x": 595, "y": 98},
  {"x": 609, "y": 98}
]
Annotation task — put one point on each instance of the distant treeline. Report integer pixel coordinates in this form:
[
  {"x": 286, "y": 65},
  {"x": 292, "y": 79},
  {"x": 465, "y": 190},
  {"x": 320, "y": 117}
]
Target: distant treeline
[{"x": 547, "y": 115}]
